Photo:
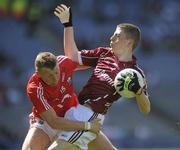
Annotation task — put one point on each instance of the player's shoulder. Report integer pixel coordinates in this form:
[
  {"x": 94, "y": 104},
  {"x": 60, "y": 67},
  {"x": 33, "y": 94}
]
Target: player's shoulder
[
  {"x": 105, "y": 50},
  {"x": 62, "y": 58},
  {"x": 139, "y": 69},
  {"x": 33, "y": 83}
]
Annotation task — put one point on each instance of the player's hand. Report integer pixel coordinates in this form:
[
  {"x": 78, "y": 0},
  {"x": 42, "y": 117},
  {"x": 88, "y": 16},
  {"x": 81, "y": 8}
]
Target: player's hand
[
  {"x": 134, "y": 85},
  {"x": 64, "y": 14},
  {"x": 95, "y": 126},
  {"x": 121, "y": 82}
]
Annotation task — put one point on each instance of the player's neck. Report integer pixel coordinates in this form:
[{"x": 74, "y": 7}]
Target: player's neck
[
  {"x": 124, "y": 58},
  {"x": 124, "y": 55}
]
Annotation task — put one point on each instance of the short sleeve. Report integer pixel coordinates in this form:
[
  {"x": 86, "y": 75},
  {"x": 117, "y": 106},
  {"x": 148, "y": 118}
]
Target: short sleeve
[
  {"x": 65, "y": 61},
  {"x": 91, "y": 57},
  {"x": 144, "y": 77}
]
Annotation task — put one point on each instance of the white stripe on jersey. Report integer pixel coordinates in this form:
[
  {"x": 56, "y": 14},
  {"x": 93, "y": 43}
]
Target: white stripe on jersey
[
  {"x": 143, "y": 75},
  {"x": 90, "y": 57},
  {"x": 97, "y": 99},
  {"x": 40, "y": 95},
  {"x": 61, "y": 59},
  {"x": 79, "y": 58},
  {"x": 139, "y": 70},
  {"x": 105, "y": 96}
]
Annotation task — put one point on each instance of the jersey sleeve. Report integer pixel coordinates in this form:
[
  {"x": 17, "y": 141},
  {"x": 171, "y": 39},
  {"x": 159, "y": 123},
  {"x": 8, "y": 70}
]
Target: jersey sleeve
[
  {"x": 144, "y": 77},
  {"x": 90, "y": 57},
  {"x": 65, "y": 61},
  {"x": 37, "y": 97}
]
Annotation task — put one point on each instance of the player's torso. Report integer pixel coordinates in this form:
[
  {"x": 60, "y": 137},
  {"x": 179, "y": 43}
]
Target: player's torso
[
  {"x": 102, "y": 79},
  {"x": 61, "y": 96},
  {"x": 100, "y": 87}
]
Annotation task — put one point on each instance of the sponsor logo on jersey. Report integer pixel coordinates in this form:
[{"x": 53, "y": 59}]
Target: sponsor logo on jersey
[
  {"x": 60, "y": 105},
  {"x": 56, "y": 99},
  {"x": 67, "y": 96}
]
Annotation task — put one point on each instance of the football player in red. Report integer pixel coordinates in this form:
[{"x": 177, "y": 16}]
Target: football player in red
[
  {"x": 51, "y": 93},
  {"x": 99, "y": 92}
]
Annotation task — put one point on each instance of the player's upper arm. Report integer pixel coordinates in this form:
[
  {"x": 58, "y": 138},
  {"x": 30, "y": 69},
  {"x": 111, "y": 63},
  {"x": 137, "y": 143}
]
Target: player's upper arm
[
  {"x": 91, "y": 57},
  {"x": 36, "y": 95}
]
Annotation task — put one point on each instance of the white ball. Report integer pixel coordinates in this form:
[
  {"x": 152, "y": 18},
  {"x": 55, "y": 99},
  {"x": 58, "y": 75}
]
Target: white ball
[{"x": 129, "y": 73}]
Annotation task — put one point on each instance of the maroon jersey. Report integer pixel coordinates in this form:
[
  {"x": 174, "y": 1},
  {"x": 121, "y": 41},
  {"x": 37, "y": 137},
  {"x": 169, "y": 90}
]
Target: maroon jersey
[{"x": 99, "y": 92}]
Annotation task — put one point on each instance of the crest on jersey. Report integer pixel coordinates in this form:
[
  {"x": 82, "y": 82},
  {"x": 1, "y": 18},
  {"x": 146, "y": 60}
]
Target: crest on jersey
[{"x": 69, "y": 80}]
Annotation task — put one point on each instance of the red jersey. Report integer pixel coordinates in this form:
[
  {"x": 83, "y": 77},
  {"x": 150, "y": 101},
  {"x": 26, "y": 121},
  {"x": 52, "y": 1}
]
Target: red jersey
[
  {"x": 60, "y": 97},
  {"x": 99, "y": 92}
]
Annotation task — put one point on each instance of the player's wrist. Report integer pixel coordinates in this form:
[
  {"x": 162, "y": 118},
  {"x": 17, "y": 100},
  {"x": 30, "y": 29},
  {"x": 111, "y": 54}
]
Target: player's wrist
[
  {"x": 87, "y": 126},
  {"x": 134, "y": 87},
  {"x": 139, "y": 92},
  {"x": 68, "y": 24}
]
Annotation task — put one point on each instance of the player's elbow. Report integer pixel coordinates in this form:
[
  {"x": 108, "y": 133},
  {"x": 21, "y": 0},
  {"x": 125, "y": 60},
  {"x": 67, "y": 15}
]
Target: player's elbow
[{"x": 146, "y": 110}]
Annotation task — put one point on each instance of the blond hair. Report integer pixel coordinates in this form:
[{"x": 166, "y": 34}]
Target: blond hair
[
  {"x": 45, "y": 60},
  {"x": 132, "y": 32}
]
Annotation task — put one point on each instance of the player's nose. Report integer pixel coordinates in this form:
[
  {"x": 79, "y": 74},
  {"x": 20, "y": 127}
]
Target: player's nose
[{"x": 112, "y": 38}]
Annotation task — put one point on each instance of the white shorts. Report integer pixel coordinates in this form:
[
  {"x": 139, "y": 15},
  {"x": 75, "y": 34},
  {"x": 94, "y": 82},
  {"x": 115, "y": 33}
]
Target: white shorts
[
  {"x": 80, "y": 138},
  {"x": 41, "y": 124}
]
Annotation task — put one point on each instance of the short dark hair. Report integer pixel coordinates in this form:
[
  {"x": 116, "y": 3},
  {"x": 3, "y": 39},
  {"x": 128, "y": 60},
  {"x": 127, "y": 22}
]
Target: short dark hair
[
  {"x": 45, "y": 60},
  {"x": 132, "y": 32}
]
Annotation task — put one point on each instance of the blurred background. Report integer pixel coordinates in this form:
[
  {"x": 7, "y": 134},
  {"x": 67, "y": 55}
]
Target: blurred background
[{"x": 29, "y": 26}]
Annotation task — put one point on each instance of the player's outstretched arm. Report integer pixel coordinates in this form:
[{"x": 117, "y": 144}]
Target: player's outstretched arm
[
  {"x": 141, "y": 99},
  {"x": 68, "y": 125},
  {"x": 143, "y": 102},
  {"x": 65, "y": 16}
]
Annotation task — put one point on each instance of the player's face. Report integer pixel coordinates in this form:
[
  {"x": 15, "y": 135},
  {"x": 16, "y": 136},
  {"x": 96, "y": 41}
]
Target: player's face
[
  {"x": 49, "y": 76},
  {"x": 118, "y": 39}
]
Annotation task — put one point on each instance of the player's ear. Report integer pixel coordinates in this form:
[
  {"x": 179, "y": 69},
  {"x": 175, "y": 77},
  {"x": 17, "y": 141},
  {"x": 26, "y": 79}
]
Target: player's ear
[
  {"x": 37, "y": 71},
  {"x": 130, "y": 42}
]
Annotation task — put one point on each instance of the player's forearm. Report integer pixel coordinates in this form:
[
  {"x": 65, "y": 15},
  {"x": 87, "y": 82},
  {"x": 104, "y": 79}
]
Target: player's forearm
[
  {"x": 67, "y": 125},
  {"x": 70, "y": 47},
  {"x": 143, "y": 103},
  {"x": 61, "y": 123}
]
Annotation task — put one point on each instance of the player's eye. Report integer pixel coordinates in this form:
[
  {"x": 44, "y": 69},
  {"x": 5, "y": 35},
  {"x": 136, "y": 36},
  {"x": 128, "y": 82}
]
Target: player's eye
[
  {"x": 51, "y": 76},
  {"x": 56, "y": 72},
  {"x": 118, "y": 35}
]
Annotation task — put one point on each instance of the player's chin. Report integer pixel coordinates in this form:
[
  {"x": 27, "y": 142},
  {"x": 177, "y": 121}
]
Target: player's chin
[
  {"x": 54, "y": 83},
  {"x": 110, "y": 45}
]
